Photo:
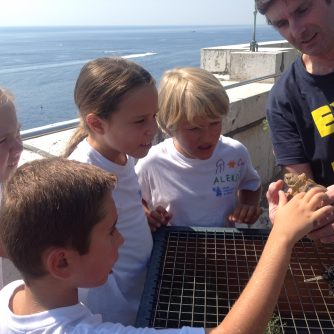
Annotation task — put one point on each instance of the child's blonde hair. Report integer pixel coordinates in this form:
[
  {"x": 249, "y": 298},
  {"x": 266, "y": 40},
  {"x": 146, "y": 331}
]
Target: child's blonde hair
[
  {"x": 6, "y": 99},
  {"x": 100, "y": 88},
  {"x": 189, "y": 94}
]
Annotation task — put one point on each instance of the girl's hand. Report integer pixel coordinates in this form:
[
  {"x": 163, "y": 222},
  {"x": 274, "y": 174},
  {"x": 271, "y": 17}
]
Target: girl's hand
[
  {"x": 246, "y": 214},
  {"x": 158, "y": 217},
  {"x": 302, "y": 214}
]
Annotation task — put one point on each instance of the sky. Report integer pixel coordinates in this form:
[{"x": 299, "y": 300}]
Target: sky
[{"x": 126, "y": 12}]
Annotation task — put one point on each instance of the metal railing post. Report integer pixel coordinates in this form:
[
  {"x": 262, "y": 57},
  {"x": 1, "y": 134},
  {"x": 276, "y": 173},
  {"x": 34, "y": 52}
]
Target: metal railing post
[{"x": 253, "y": 44}]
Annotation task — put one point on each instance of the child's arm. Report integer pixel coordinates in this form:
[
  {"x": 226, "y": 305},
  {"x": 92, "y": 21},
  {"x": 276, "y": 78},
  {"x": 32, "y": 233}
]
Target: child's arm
[
  {"x": 248, "y": 209},
  {"x": 157, "y": 217},
  {"x": 294, "y": 219}
]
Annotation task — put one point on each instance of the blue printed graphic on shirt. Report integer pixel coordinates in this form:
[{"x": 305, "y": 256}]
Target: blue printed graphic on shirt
[{"x": 227, "y": 177}]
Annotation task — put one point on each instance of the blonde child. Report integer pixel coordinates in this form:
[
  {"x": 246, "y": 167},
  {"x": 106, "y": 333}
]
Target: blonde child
[
  {"x": 66, "y": 208},
  {"x": 118, "y": 101},
  {"x": 10, "y": 145},
  {"x": 199, "y": 176}
]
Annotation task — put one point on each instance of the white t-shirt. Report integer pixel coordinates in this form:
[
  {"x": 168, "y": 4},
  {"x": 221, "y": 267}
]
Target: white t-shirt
[
  {"x": 197, "y": 192},
  {"x": 76, "y": 319},
  {"x": 118, "y": 299}
]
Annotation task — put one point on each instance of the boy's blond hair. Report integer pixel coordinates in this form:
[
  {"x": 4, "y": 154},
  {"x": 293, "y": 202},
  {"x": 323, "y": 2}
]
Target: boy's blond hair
[{"x": 189, "y": 94}]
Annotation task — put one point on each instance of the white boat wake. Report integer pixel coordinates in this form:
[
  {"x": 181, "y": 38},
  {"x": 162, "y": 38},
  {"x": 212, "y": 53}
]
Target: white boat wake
[{"x": 65, "y": 64}]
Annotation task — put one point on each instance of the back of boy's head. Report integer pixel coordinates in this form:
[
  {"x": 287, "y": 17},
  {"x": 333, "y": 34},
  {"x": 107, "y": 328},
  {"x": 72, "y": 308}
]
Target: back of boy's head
[
  {"x": 189, "y": 94},
  {"x": 48, "y": 203},
  {"x": 6, "y": 100},
  {"x": 100, "y": 88}
]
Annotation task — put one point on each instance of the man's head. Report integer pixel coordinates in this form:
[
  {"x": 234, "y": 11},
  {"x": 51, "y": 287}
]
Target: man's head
[
  {"x": 306, "y": 24},
  {"x": 54, "y": 204},
  {"x": 263, "y": 5}
]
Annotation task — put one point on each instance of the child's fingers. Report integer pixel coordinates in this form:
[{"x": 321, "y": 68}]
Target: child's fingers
[
  {"x": 243, "y": 211},
  {"x": 158, "y": 215},
  {"x": 154, "y": 220},
  {"x": 162, "y": 215},
  {"x": 313, "y": 191},
  {"x": 235, "y": 215},
  {"x": 255, "y": 216},
  {"x": 317, "y": 201},
  {"x": 161, "y": 210},
  {"x": 251, "y": 214}
]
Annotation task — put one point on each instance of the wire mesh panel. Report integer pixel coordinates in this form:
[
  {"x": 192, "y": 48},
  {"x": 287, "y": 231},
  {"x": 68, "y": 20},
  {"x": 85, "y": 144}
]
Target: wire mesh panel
[{"x": 195, "y": 276}]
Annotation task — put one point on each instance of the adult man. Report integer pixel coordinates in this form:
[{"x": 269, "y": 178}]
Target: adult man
[{"x": 300, "y": 107}]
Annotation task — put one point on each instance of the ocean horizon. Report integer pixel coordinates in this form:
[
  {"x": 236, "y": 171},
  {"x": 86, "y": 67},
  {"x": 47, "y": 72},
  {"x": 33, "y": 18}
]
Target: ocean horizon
[{"x": 40, "y": 65}]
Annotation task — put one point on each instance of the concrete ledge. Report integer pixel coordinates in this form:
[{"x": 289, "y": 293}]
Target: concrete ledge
[
  {"x": 246, "y": 64},
  {"x": 219, "y": 59}
]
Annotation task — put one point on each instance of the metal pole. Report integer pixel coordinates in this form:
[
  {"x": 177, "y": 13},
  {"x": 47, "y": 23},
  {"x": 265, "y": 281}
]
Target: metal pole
[{"x": 253, "y": 44}]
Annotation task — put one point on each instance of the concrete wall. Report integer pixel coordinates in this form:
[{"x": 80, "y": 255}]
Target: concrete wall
[
  {"x": 246, "y": 65},
  {"x": 239, "y": 63},
  {"x": 246, "y": 123}
]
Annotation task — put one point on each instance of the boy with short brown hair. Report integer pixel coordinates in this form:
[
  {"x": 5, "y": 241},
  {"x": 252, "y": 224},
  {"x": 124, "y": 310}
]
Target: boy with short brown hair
[{"x": 57, "y": 222}]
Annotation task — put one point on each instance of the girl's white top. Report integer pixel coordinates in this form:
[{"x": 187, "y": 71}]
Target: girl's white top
[{"x": 118, "y": 299}]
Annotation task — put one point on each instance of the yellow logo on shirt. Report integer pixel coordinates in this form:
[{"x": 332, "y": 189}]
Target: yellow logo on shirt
[{"x": 324, "y": 119}]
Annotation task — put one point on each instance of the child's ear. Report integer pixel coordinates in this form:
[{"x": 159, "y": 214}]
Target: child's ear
[
  {"x": 57, "y": 262},
  {"x": 95, "y": 123}
]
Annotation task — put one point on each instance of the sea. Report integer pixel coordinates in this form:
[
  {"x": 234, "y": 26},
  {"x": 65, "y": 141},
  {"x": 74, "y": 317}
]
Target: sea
[{"x": 40, "y": 65}]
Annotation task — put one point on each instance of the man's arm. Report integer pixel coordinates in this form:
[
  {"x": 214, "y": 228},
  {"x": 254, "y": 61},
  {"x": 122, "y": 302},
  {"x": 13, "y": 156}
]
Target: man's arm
[{"x": 299, "y": 169}]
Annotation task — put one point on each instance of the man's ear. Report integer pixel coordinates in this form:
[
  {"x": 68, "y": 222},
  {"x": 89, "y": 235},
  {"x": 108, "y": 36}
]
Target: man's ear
[
  {"x": 57, "y": 263},
  {"x": 95, "y": 123}
]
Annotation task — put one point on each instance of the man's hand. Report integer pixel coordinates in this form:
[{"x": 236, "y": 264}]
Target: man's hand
[
  {"x": 273, "y": 198},
  {"x": 326, "y": 233}
]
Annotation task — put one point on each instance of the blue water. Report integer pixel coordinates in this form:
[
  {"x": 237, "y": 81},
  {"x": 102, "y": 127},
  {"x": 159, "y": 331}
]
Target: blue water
[{"x": 40, "y": 65}]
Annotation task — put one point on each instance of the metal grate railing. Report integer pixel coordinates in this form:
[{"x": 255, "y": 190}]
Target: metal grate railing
[{"x": 195, "y": 276}]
